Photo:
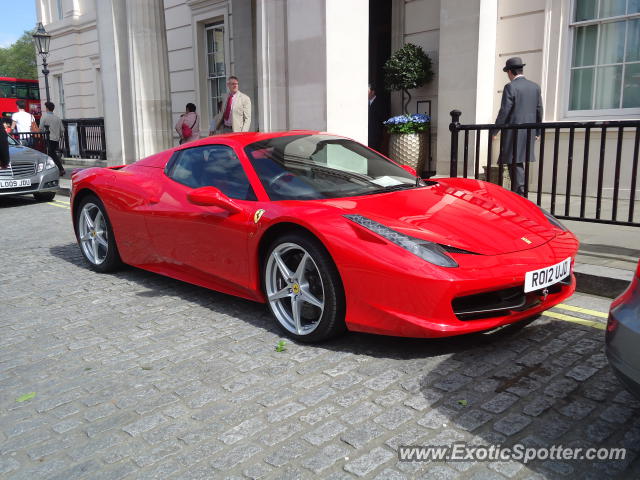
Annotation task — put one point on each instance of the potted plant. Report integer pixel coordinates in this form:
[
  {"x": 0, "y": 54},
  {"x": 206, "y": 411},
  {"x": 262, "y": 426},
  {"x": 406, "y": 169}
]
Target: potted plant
[{"x": 408, "y": 68}]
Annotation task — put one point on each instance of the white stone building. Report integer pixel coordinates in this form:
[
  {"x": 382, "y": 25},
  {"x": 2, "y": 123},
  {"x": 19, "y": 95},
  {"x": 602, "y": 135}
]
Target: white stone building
[{"x": 306, "y": 63}]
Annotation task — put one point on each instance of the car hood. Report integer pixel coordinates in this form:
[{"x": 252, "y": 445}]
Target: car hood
[
  {"x": 470, "y": 215},
  {"x": 25, "y": 154}
]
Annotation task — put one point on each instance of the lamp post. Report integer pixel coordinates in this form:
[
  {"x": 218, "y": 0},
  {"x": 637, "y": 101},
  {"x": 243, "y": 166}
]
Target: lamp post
[{"x": 41, "y": 39}]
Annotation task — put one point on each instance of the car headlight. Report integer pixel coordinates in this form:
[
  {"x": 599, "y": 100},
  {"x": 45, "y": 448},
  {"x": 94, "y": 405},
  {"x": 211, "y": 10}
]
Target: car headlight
[
  {"x": 428, "y": 251},
  {"x": 554, "y": 221},
  {"x": 47, "y": 164}
]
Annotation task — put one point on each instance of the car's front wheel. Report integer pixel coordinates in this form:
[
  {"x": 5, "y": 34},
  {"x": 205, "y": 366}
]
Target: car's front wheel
[
  {"x": 95, "y": 235},
  {"x": 44, "y": 196},
  {"x": 303, "y": 288}
]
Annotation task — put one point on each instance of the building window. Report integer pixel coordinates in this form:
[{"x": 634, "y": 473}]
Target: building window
[
  {"x": 59, "y": 10},
  {"x": 216, "y": 66},
  {"x": 605, "y": 64},
  {"x": 60, "y": 90}
]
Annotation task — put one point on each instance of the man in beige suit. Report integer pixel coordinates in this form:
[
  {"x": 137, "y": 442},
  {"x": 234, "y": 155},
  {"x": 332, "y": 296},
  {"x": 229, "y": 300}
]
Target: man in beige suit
[{"x": 236, "y": 113}]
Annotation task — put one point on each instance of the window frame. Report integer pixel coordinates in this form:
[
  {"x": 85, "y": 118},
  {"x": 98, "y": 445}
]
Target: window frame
[
  {"x": 212, "y": 26},
  {"x": 58, "y": 78},
  {"x": 571, "y": 28}
]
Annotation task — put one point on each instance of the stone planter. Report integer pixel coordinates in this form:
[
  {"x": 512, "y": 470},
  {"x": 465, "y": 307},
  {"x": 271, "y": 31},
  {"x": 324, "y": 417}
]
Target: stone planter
[{"x": 409, "y": 149}]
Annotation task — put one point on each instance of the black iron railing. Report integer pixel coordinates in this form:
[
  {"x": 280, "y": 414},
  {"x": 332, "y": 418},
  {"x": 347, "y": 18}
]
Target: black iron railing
[
  {"x": 36, "y": 140},
  {"x": 84, "y": 138},
  {"x": 572, "y": 187}
]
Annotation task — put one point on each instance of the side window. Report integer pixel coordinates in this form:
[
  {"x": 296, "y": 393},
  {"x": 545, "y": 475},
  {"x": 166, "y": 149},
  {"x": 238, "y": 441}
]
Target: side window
[
  {"x": 212, "y": 165},
  {"x": 22, "y": 91},
  {"x": 7, "y": 90}
]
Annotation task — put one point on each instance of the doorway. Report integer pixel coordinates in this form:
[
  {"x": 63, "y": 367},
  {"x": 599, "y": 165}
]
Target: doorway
[{"x": 379, "y": 53}]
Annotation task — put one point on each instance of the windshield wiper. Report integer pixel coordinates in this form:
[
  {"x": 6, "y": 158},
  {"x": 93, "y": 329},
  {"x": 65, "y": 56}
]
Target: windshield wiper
[{"x": 394, "y": 188}]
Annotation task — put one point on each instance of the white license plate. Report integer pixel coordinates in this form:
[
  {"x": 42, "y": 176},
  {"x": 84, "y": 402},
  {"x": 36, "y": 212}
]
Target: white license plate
[
  {"x": 25, "y": 182},
  {"x": 537, "y": 279}
]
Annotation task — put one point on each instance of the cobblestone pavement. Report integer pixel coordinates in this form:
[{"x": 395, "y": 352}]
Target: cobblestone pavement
[{"x": 139, "y": 376}]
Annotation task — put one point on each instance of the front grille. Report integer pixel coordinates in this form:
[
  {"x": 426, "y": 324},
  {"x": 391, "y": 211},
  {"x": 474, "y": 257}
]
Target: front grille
[
  {"x": 502, "y": 302},
  {"x": 18, "y": 169},
  {"x": 488, "y": 304}
]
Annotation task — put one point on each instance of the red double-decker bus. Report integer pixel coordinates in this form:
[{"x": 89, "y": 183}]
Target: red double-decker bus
[{"x": 13, "y": 89}]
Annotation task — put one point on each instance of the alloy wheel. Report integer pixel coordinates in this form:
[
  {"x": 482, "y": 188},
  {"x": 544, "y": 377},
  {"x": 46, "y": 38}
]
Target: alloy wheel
[
  {"x": 294, "y": 288},
  {"x": 93, "y": 233}
]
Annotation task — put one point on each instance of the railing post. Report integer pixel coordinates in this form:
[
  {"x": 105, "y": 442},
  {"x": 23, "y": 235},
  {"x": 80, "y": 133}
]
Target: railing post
[{"x": 454, "y": 127}]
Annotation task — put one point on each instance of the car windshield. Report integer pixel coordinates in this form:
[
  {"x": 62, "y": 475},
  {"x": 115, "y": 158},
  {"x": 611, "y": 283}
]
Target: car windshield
[
  {"x": 305, "y": 167},
  {"x": 11, "y": 140}
]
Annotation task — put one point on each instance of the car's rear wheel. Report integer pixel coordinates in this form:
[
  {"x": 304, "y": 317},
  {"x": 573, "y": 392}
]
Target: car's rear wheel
[
  {"x": 44, "y": 196},
  {"x": 303, "y": 288},
  {"x": 95, "y": 235}
]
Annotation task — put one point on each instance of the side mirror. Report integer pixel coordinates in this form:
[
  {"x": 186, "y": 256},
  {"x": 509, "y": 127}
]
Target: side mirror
[
  {"x": 409, "y": 169},
  {"x": 212, "y": 197}
]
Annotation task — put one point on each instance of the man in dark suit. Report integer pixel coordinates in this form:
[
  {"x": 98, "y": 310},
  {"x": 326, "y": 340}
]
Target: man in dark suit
[
  {"x": 376, "y": 117},
  {"x": 521, "y": 103}
]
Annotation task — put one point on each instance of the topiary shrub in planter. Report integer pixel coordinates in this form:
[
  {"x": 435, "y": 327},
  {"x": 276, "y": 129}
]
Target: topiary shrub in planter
[{"x": 408, "y": 68}]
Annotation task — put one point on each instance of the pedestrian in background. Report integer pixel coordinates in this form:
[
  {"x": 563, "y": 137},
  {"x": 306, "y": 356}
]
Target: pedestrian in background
[
  {"x": 188, "y": 125},
  {"x": 521, "y": 103},
  {"x": 237, "y": 111},
  {"x": 56, "y": 131},
  {"x": 23, "y": 122}
]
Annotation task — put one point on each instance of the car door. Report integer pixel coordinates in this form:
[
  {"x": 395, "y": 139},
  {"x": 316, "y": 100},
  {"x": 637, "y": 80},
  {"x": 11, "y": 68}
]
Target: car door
[{"x": 204, "y": 240}]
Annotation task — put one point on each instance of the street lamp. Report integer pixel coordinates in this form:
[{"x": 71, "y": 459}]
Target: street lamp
[{"x": 41, "y": 39}]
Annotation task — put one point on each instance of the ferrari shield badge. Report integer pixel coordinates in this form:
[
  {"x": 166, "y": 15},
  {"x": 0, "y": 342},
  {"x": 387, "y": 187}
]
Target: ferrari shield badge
[
  {"x": 526, "y": 240},
  {"x": 258, "y": 215}
]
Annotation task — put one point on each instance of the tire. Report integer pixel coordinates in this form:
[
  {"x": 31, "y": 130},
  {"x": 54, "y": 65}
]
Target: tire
[
  {"x": 44, "y": 196},
  {"x": 303, "y": 288},
  {"x": 97, "y": 244}
]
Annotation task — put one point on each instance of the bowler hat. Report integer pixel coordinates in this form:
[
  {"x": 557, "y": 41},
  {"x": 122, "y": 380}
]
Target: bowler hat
[{"x": 513, "y": 62}]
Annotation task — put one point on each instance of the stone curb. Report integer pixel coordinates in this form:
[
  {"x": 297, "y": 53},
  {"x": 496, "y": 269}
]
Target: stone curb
[{"x": 602, "y": 281}]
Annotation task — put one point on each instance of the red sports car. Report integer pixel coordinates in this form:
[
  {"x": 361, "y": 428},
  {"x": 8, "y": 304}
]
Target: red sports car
[{"x": 329, "y": 233}]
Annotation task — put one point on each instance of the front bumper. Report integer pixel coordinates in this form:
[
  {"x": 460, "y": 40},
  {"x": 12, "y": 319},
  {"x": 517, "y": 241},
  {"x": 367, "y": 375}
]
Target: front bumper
[
  {"x": 419, "y": 300},
  {"x": 45, "y": 181}
]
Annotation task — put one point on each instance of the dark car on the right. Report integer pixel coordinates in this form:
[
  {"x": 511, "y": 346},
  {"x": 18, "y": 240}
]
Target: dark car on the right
[{"x": 623, "y": 336}]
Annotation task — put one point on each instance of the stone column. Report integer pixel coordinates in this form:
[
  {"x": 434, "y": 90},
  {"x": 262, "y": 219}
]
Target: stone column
[
  {"x": 135, "y": 78},
  {"x": 347, "y": 57},
  {"x": 322, "y": 90},
  {"x": 111, "y": 20},
  {"x": 466, "y": 68},
  {"x": 149, "y": 64}
]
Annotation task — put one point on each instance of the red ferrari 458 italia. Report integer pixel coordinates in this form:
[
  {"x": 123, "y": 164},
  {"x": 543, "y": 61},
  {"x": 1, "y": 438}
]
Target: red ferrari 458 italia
[{"x": 329, "y": 233}]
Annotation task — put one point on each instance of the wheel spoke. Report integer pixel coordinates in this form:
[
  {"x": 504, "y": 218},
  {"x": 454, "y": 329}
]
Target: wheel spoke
[
  {"x": 284, "y": 270},
  {"x": 85, "y": 237},
  {"x": 101, "y": 240},
  {"x": 87, "y": 219},
  {"x": 307, "y": 296},
  {"x": 285, "y": 292},
  {"x": 98, "y": 221},
  {"x": 299, "y": 275},
  {"x": 94, "y": 251},
  {"x": 296, "y": 308}
]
